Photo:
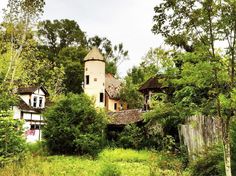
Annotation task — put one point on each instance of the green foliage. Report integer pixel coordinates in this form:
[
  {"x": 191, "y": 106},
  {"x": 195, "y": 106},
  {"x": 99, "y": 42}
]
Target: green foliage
[
  {"x": 129, "y": 94},
  {"x": 110, "y": 169},
  {"x": 211, "y": 162},
  {"x": 130, "y": 137},
  {"x": 129, "y": 162},
  {"x": 166, "y": 114},
  {"x": 124, "y": 155},
  {"x": 12, "y": 143},
  {"x": 74, "y": 76},
  {"x": 37, "y": 149},
  {"x": 63, "y": 45},
  {"x": 114, "y": 55},
  {"x": 6, "y": 100},
  {"x": 138, "y": 137},
  {"x": 59, "y": 34},
  {"x": 74, "y": 126},
  {"x": 19, "y": 17},
  {"x": 111, "y": 68}
]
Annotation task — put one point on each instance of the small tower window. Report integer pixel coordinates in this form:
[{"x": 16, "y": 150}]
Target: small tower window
[
  {"x": 101, "y": 97},
  {"x": 95, "y": 79},
  {"x": 115, "y": 106},
  {"x": 87, "y": 79}
]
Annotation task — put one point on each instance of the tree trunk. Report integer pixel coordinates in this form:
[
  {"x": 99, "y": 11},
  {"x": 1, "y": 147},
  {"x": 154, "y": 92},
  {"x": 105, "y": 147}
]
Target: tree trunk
[{"x": 226, "y": 144}]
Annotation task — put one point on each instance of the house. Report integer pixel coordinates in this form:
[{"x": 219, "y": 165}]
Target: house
[
  {"x": 153, "y": 85},
  {"x": 118, "y": 121},
  {"x": 32, "y": 101},
  {"x": 104, "y": 88}
]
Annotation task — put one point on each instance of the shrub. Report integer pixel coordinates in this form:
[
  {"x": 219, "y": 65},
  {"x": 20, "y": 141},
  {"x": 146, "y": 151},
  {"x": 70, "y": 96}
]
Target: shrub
[
  {"x": 130, "y": 137},
  {"x": 211, "y": 163},
  {"x": 12, "y": 143},
  {"x": 110, "y": 169},
  {"x": 137, "y": 137},
  {"x": 74, "y": 126}
]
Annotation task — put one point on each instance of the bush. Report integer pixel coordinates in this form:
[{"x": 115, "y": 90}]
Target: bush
[
  {"x": 74, "y": 126},
  {"x": 211, "y": 163},
  {"x": 130, "y": 137},
  {"x": 137, "y": 137},
  {"x": 12, "y": 143},
  {"x": 110, "y": 169}
]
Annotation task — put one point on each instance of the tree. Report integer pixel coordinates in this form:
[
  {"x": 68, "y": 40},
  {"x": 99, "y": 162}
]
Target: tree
[
  {"x": 72, "y": 59},
  {"x": 129, "y": 94},
  {"x": 58, "y": 34},
  {"x": 74, "y": 126},
  {"x": 64, "y": 45},
  {"x": 114, "y": 56},
  {"x": 18, "y": 20},
  {"x": 197, "y": 26},
  {"x": 12, "y": 145}
]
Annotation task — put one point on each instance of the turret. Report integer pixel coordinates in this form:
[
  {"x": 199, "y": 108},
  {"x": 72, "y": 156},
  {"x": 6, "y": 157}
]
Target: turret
[{"x": 94, "y": 77}]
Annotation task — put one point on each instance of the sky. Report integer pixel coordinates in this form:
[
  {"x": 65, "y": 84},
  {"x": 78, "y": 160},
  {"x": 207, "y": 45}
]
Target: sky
[{"x": 121, "y": 21}]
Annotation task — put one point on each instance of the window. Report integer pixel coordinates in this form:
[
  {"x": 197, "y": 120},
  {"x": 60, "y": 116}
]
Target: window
[
  {"x": 35, "y": 102},
  {"x": 121, "y": 106},
  {"x": 95, "y": 79},
  {"x": 87, "y": 79},
  {"x": 115, "y": 106},
  {"x": 34, "y": 127},
  {"x": 101, "y": 97},
  {"x": 40, "y": 102}
]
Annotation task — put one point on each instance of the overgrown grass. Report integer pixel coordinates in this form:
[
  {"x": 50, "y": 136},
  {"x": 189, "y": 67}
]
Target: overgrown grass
[
  {"x": 126, "y": 155},
  {"x": 114, "y": 162}
]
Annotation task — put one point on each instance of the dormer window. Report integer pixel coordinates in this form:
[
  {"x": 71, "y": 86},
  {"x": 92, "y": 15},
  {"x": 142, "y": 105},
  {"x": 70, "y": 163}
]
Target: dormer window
[
  {"x": 40, "y": 102},
  {"x": 35, "y": 102}
]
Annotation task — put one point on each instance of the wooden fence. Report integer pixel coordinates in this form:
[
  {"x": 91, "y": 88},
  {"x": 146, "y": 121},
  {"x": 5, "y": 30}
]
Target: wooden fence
[{"x": 199, "y": 132}]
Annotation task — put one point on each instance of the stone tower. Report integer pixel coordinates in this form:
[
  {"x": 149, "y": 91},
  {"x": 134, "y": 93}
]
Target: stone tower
[{"x": 94, "y": 77}]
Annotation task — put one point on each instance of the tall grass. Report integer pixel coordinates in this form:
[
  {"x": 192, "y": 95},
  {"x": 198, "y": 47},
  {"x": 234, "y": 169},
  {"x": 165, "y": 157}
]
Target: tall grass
[
  {"x": 127, "y": 155},
  {"x": 114, "y": 162}
]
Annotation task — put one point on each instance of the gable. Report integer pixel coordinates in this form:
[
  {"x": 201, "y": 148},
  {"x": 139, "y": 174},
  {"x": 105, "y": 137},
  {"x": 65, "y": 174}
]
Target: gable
[{"x": 39, "y": 91}]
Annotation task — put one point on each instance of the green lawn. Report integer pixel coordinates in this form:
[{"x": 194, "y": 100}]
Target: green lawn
[{"x": 128, "y": 162}]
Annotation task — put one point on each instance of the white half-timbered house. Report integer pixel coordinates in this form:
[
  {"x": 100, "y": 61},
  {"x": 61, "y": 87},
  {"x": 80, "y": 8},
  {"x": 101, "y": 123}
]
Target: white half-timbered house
[{"x": 31, "y": 104}]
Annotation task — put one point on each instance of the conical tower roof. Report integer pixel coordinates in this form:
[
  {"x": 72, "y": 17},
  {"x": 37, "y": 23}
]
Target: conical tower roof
[{"x": 94, "y": 54}]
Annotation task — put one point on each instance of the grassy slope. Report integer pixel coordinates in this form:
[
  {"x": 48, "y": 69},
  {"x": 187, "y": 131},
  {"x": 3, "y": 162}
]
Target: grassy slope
[{"x": 130, "y": 162}]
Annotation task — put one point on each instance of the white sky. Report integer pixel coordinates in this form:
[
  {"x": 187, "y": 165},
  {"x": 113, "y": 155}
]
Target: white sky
[{"x": 126, "y": 21}]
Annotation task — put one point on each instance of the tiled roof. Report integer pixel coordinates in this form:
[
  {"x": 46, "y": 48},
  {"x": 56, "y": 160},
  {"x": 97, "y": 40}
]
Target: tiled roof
[
  {"x": 94, "y": 54},
  {"x": 151, "y": 83},
  {"x": 125, "y": 117},
  {"x": 112, "y": 86},
  {"x": 31, "y": 89},
  {"x": 23, "y": 106}
]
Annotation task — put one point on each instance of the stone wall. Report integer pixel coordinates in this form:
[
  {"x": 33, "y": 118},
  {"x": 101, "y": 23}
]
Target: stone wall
[{"x": 199, "y": 132}]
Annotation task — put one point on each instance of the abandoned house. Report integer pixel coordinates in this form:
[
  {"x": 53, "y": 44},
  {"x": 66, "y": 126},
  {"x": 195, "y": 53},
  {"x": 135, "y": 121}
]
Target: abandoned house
[
  {"x": 32, "y": 101},
  {"x": 152, "y": 86},
  {"x": 104, "y": 88}
]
